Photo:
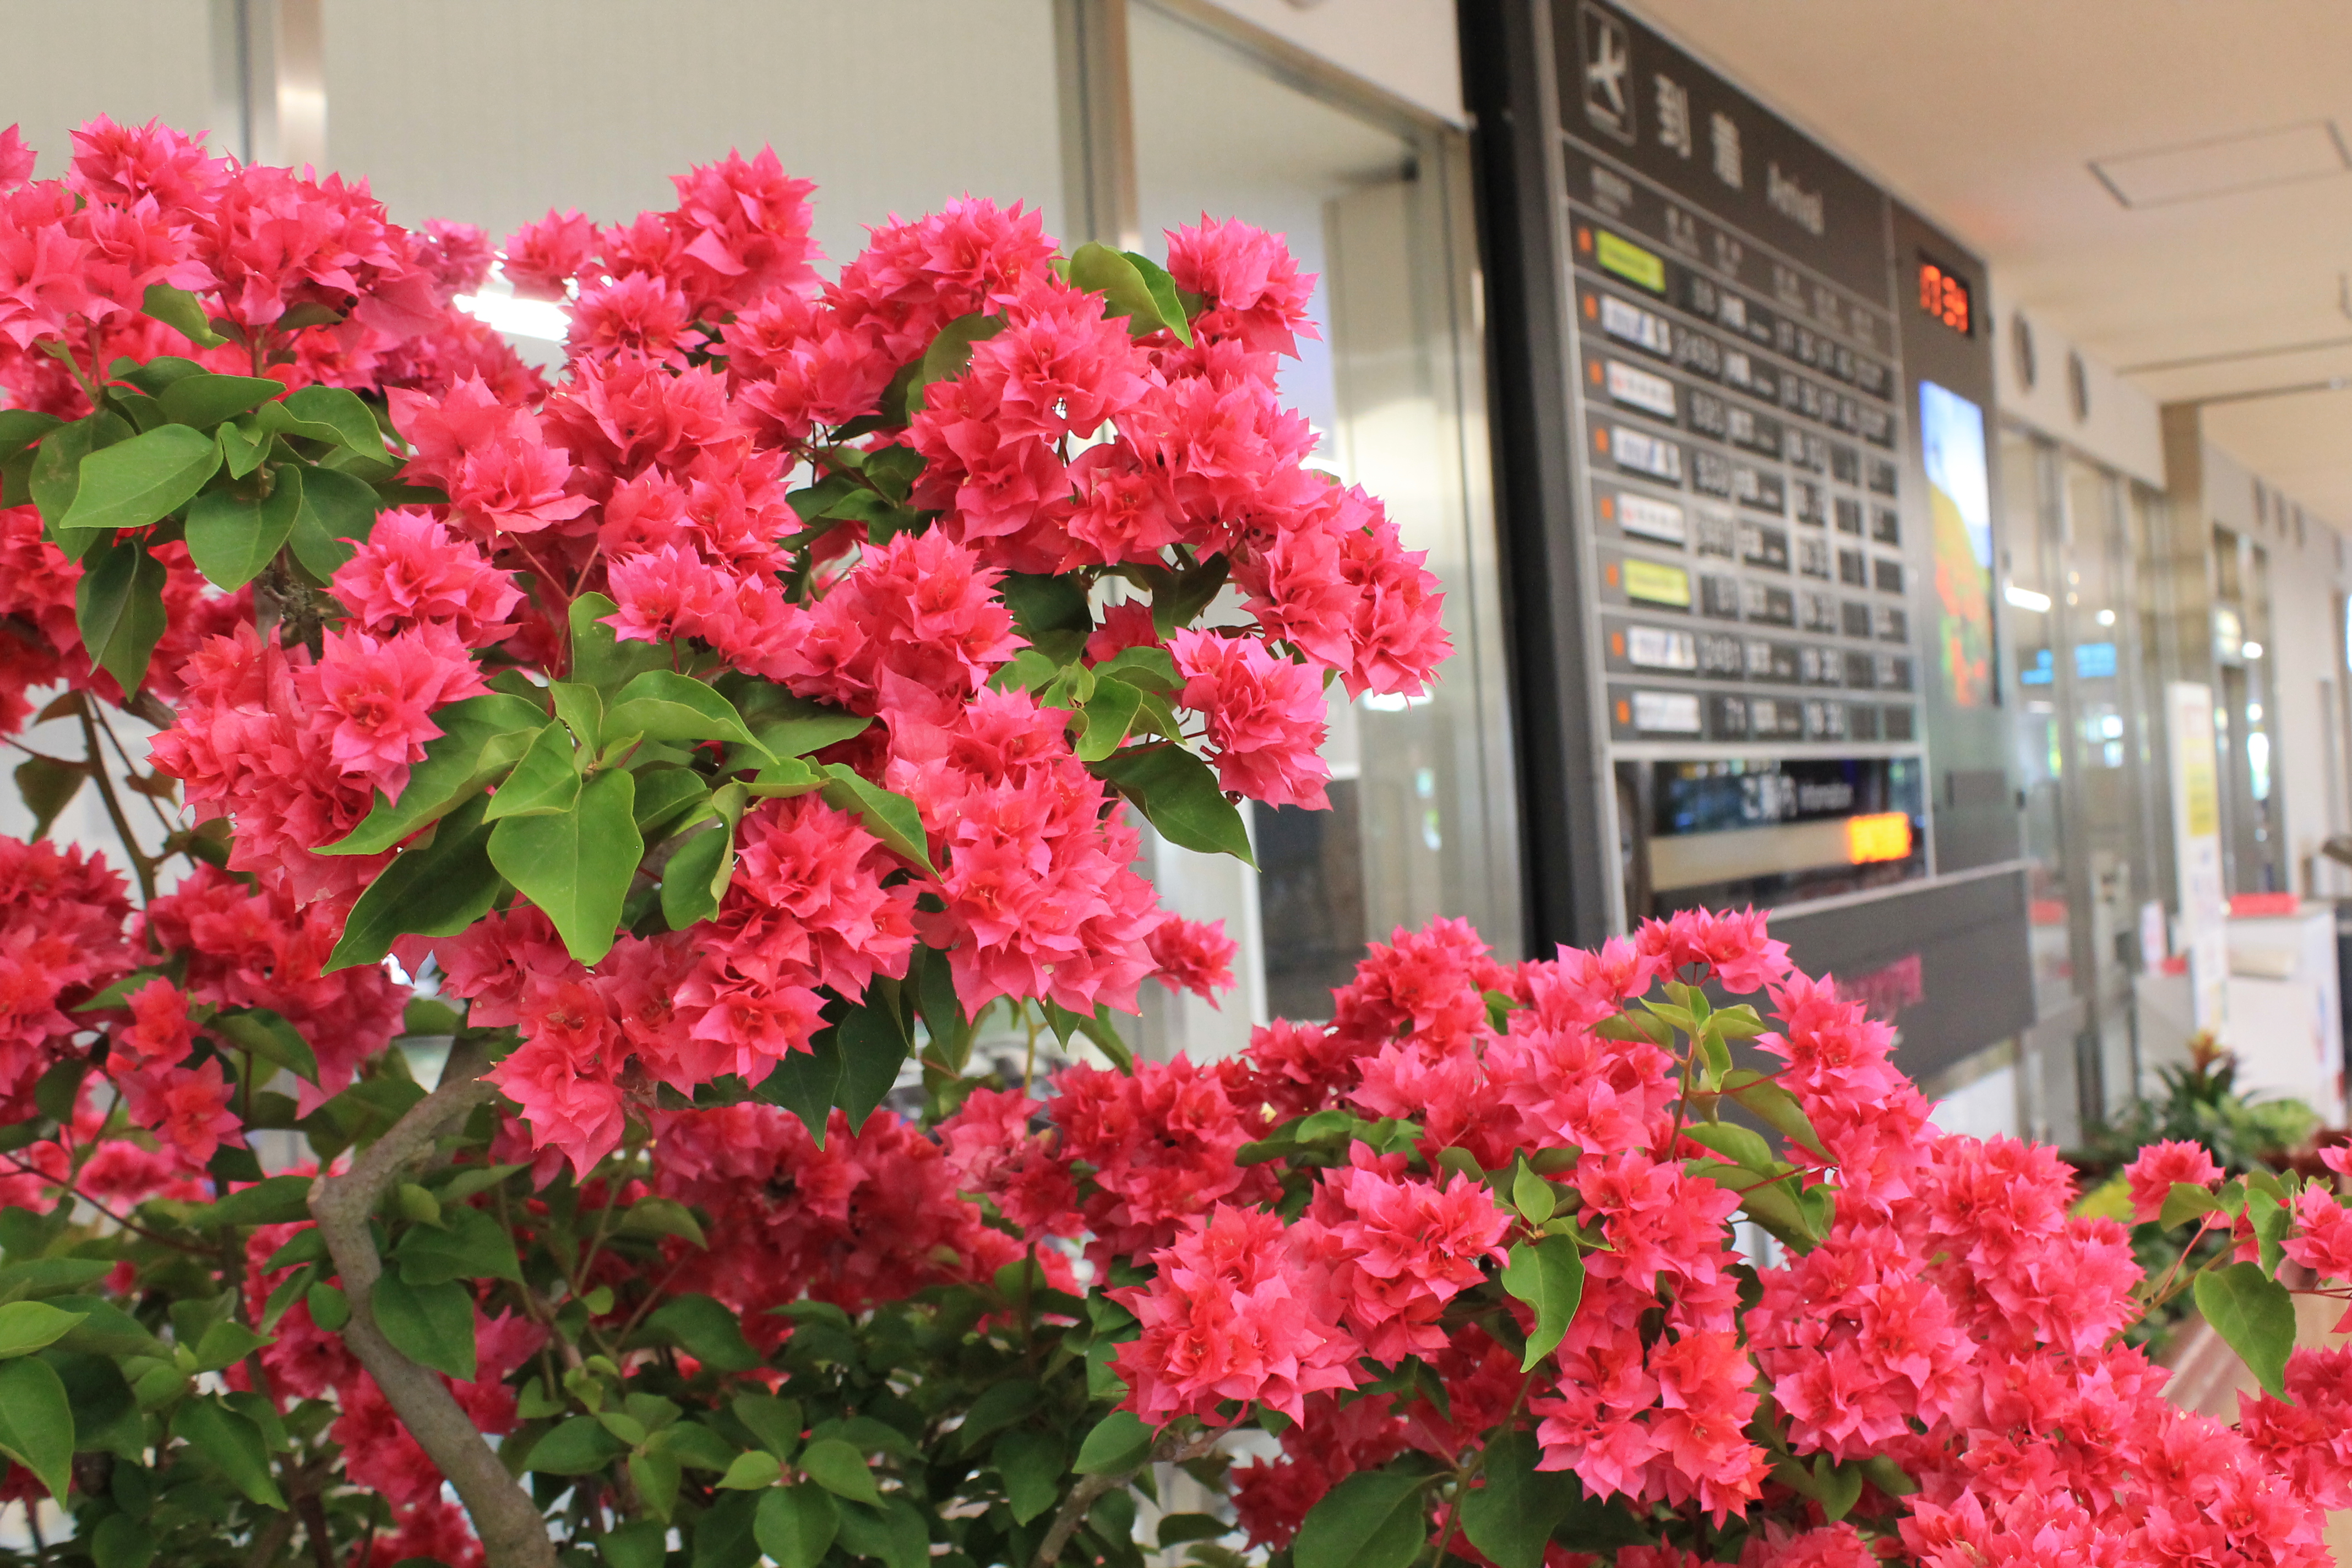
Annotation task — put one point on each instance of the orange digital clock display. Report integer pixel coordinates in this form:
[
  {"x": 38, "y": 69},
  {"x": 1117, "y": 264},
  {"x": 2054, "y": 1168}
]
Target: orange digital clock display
[{"x": 1944, "y": 296}]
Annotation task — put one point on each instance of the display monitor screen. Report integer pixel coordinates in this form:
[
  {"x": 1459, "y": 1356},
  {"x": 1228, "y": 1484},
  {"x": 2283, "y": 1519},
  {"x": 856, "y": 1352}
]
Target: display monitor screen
[{"x": 1960, "y": 499}]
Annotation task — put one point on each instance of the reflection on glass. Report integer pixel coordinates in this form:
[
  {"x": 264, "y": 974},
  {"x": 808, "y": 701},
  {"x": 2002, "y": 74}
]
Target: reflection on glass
[{"x": 1420, "y": 824}]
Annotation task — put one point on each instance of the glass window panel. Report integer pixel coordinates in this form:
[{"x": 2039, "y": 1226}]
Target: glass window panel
[{"x": 1420, "y": 823}]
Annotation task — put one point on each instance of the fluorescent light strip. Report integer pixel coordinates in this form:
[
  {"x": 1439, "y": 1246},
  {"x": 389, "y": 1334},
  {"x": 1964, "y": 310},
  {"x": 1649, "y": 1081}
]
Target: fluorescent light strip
[{"x": 2026, "y": 598}]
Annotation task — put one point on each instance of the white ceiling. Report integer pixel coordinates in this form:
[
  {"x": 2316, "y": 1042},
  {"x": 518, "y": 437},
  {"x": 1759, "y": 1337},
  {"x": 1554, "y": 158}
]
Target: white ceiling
[{"x": 1987, "y": 116}]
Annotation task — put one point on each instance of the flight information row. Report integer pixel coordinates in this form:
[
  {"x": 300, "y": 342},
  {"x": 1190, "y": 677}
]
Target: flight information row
[
  {"x": 1724, "y": 596},
  {"x": 1631, "y": 647},
  {"x": 1742, "y": 317},
  {"x": 1686, "y": 349},
  {"x": 1716, "y": 530},
  {"x": 1648, "y": 713}
]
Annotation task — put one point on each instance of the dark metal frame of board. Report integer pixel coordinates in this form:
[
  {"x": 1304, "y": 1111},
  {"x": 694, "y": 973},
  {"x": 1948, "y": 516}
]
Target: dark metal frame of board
[{"x": 1752, "y": 660}]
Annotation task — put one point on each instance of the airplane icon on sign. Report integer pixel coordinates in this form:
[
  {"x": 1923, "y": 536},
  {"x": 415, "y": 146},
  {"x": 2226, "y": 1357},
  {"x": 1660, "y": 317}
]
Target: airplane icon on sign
[{"x": 1608, "y": 73}]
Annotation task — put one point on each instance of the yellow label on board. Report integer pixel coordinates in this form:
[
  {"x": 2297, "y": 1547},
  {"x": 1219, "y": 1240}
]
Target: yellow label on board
[
  {"x": 1629, "y": 262},
  {"x": 1658, "y": 584}
]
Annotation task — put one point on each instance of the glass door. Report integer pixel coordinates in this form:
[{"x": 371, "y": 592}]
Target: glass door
[
  {"x": 2107, "y": 730},
  {"x": 1422, "y": 819},
  {"x": 2031, "y": 596}
]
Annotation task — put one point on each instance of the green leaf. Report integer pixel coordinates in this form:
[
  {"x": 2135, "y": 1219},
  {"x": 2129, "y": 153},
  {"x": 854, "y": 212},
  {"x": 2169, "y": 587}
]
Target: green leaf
[
  {"x": 892, "y": 819},
  {"x": 839, "y": 1469},
  {"x": 180, "y": 310},
  {"x": 156, "y": 374},
  {"x": 226, "y": 1343},
  {"x": 120, "y": 1540},
  {"x": 941, "y": 1010},
  {"x": 1179, "y": 796},
  {"x": 1000, "y": 1405},
  {"x": 471, "y": 1244},
  {"x": 480, "y": 737},
  {"x": 335, "y": 508},
  {"x": 698, "y": 877},
  {"x": 242, "y": 444},
  {"x": 873, "y": 1042},
  {"x": 582, "y": 709},
  {"x": 1532, "y": 1197},
  {"x": 279, "y": 1200},
  {"x": 1031, "y": 1464},
  {"x": 665, "y": 795},
  {"x": 545, "y": 783},
  {"x": 1740, "y": 1145},
  {"x": 1051, "y": 612},
  {"x": 48, "y": 1276},
  {"x": 656, "y": 1473},
  {"x": 1164, "y": 294},
  {"x": 56, "y": 477},
  {"x": 279, "y": 419},
  {"x": 341, "y": 410},
  {"x": 787, "y": 726},
  {"x": 328, "y": 1306},
  {"x": 232, "y": 538},
  {"x": 1119, "y": 1443},
  {"x": 600, "y": 660},
  {"x": 774, "y": 1422},
  {"x": 576, "y": 866},
  {"x": 119, "y": 605},
  {"x": 818, "y": 499},
  {"x": 2270, "y": 1218},
  {"x": 950, "y": 353},
  {"x": 231, "y": 1445},
  {"x": 897, "y": 1534},
  {"x": 1115, "y": 275},
  {"x": 270, "y": 1037},
  {"x": 205, "y": 401},
  {"x": 133, "y": 483},
  {"x": 20, "y": 427},
  {"x": 48, "y": 786},
  {"x": 2254, "y": 1315},
  {"x": 1109, "y": 714},
  {"x": 1374, "y": 1519},
  {"x": 705, "y": 1330},
  {"x": 478, "y": 1179},
  {"x": 1841, "y": 1487},
  {"x": 663, "y": 705},
  {"x": 28, "y": 1326},
  {"x": 804, "y": 1083},
  {"x": 1548, "y": 1275},
  {"x": 751, "y": 1470},
  {"x": 663, "y": 1217},
  {"x": 1774, "y": 1105},
  {"x": 1188, "y": 595},
  {"x": 1176, "y": 1528},
  {"x": 1511, "y": 1517},
  {"x": 437, "y": 889},
  {"x": 432, "y": 1325},
  {"x": 796, "y": 1525},
  {"x": 643, "y": 1543},
  {"x": 579, "y": 1447}
]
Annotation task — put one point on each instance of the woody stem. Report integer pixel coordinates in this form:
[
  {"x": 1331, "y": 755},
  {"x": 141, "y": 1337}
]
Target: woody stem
[{"x": 512, "y": 1532}]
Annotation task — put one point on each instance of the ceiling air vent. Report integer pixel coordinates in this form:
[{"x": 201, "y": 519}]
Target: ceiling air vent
[{"x": 2225, "y": 165}]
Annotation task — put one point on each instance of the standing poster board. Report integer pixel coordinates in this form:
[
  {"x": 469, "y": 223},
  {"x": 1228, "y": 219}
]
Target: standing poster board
[{"x": 2197, "y": 848}]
